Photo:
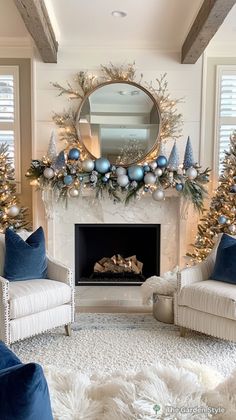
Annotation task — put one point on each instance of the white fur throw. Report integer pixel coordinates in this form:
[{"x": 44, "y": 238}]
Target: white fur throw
[
  {"x": 165, "y": 285},
  {"x": 149, "y": 394}
]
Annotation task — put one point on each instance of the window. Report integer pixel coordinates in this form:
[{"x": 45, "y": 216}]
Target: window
[
  {"x": 9, "y": 114},
  {"x": 225, "y": 111}
]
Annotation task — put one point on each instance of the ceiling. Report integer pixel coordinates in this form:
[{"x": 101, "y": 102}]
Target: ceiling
[{"x": 160, "y": 24}]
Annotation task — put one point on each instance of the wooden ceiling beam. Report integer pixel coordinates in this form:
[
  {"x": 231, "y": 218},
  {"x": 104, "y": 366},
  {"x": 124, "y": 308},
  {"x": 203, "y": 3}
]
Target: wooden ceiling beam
[
  {"x": 209, "y": 18},
  {"x": 37, "y": 21}
]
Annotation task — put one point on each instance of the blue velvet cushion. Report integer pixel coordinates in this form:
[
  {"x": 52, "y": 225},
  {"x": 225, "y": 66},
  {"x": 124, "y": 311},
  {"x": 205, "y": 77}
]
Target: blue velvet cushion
[
  {"x": 7, "y": 357},
  {"x": 225, "y": 264},
  {"x": 25, "y": 260},
  {"x": 24, "y": 393}
]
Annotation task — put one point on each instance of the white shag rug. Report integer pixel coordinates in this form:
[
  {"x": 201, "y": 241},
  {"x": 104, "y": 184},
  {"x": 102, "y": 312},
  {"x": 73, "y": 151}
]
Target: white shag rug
[
  {"x": 128, "y": 342},
  {"x": 187, "y": 391}
]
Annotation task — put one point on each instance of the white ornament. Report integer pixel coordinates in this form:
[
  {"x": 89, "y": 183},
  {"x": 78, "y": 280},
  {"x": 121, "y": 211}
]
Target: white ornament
[
  {"x": 122, "y": 180},
  {"x": 149, "y": 179},
  {"x": 121, "y": 171},
  {"x": 13, "y": 211},
  {"x": 48, "y": 173},
  {"x": 158, "y": 172},
  {"x": 232, "y": 228},
  {"x": 191, "y": 173},
  {"x": 74, "y": 192},
  {"x": 88, "y": 165},
  {"x": 158, "y": 195},
  {"x": 153, "y": 165}
]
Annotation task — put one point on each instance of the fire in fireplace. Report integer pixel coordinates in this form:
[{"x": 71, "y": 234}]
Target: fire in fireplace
[{"x": 134, "y": 251}]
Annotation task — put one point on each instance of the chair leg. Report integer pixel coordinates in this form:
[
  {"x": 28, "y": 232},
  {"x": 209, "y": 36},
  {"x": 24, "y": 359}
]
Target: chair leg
[
  {"x": 183, "y": 331},
  {"x": 68, "y": 329}
]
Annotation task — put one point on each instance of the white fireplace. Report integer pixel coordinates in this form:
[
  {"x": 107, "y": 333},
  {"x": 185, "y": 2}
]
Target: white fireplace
[{"x": 175, "y": 218}]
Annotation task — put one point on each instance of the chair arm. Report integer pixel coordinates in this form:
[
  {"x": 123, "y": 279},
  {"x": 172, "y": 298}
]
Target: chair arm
[
  {"x": 59, "y": 272},
  {"x": 4, "y": 311},
  {"x": 190, "y": 275}
]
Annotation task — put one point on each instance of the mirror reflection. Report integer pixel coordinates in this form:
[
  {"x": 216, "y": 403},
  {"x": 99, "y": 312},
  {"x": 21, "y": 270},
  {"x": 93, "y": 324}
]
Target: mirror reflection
[{"x": 119, "y": 121}]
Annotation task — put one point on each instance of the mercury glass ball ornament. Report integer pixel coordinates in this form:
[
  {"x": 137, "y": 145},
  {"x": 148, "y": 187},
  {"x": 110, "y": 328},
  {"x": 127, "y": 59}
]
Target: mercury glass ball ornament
[
  {"x": 88, "y": 165},
  {"x": 48, "y": 173},
  {"x": 102, "y": 165},
  {"x": 179, "y": 186},
  {"x": 191, "y": 173},
  {"x": 232, "y": 228},
  {"x": 68, "y": 180},
  {"x": 13, "y": 211},
  {"x": 158, "y": 172},
  {"x": 158, "y": 195},
  {"x": 153, "y": 165},
  {"x": 121, "y": 171},
  {"x": 74, "y": 154},
  {"x": 149, "y": 179},
  {"x": 135, "y": 173},
  {"x": 222, "y": 220},
  {"x": 122, "y": 180},
  {"x": 74, "y": 192},
  {"x": 161, "y": 161}
]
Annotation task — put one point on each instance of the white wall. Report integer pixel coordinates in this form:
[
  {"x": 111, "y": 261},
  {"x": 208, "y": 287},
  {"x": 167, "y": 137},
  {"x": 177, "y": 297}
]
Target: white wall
[{"x": 184, "y": 81}]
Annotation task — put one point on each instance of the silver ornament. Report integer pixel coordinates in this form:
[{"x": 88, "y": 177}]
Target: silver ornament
[
  {"x": 123, "y": 180},
  {"x": 158, "y": 195},
  {"x": 153, "y": 165},
  {"x": 149, "y": 179},
  {"x": 48, "y": 173},
  {"x": 158, "y": 172},
  {"x": 121, "y": 171},
  {"x": 88, "y": 165},
  {"x": 74, "y": 192},
  {"x": 191, "y": 173},
  {"x": 232, "y": 228},
  {"x": 13, "y": 211}
]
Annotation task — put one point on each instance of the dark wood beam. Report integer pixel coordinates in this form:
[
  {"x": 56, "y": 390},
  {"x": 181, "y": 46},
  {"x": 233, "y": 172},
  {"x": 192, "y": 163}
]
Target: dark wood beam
[
  {"x": 209, "y": 18},
  {"x": 37, "y": 21}
]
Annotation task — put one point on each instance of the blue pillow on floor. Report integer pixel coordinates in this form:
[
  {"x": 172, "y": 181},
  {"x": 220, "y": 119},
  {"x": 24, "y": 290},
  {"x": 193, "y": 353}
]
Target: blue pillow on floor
[
  {"x": 25, "y": 260},
  {"x": 7, "y": 357},
  {"x": 24, "y": 393},
  {"x": 225, "y": 263}
]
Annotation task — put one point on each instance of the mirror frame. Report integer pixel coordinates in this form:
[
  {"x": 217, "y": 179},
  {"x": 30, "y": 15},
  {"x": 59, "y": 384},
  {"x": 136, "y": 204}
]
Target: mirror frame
[{"x": 137, "y": 85}]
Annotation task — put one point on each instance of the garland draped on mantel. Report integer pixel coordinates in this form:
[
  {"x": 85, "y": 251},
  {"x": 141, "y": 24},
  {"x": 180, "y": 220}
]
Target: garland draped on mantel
[{"x": 72, "y": 170}]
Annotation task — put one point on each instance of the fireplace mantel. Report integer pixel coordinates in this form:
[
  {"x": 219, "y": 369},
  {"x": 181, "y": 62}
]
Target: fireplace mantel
[{"x": 173, "y": 214}]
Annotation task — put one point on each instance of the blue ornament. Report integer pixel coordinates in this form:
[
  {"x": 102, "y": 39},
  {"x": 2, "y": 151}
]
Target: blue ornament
[
  {"x": 179, "y": 187},
  {"x": 233, "y": 189},
  {"x": 188, "y": 155},
  {"x": 161, "y": 161},
  {"x": 146, "y": 168},
  {"x": 102, "y": 165},
  {"x": 68, "y": 180},
  {"x": 135, "y": 173},
  {"x": 74, "y": 154},
  {"x": 146, "y": 189},
  {"x": 173, "y": 161},
  {"x": 222, "y": 220},
  {"x": 104, "y": 179}
]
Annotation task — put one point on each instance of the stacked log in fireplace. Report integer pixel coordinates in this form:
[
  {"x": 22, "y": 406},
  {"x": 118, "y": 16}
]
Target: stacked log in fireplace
[{"x": 118, "y": 269}]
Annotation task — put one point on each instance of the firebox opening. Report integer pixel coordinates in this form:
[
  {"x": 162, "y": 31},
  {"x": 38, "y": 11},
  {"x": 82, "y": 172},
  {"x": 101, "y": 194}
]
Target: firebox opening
[{"x": 129, "y": 245}]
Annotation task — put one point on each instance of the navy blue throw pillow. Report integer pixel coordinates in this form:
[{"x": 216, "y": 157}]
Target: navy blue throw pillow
[
  {"x": 25, "y": 260},
  {"x": 24, "y": 393},
  {"x": 7, "y": 357},
  {"x": 225, "y": 264}
]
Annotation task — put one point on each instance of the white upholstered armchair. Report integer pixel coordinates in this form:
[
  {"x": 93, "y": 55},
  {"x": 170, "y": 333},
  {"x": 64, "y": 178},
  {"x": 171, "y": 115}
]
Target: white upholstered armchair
[
  {"x": 31, "y": 307},
  {"x": 205, "y": 305}
]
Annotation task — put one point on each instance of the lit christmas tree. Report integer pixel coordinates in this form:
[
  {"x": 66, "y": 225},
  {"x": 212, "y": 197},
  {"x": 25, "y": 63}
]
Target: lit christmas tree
[
  {"x": 221, "y": 216},
  {"x": 11, "y": 215}
]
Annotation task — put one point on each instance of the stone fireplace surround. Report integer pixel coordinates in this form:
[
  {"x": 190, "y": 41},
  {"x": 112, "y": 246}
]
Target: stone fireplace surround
[{"x": 172, "y": 214}]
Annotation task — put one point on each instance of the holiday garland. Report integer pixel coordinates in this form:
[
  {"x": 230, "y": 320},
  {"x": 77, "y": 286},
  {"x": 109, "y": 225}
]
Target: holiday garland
[{"x": 73, "y": 169}]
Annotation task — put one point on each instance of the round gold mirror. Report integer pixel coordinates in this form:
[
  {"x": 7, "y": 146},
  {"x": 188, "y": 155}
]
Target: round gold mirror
[{"x": 119, "y": 121}]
